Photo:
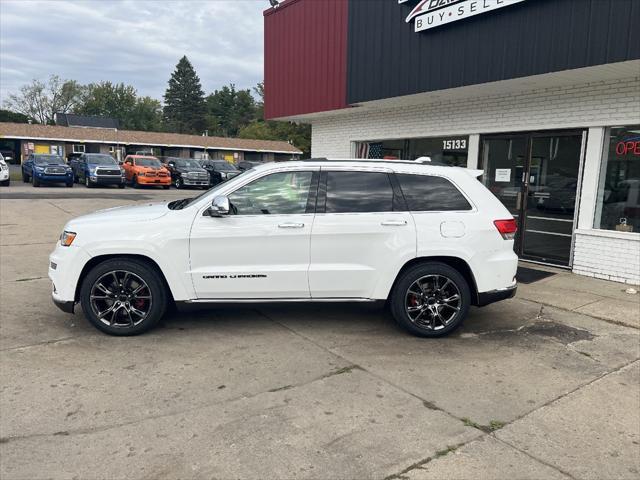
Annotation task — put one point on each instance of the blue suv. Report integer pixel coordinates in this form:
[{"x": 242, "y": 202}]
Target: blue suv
[
  {"x": 46, "y": 169},
  {"x": 97, "y": 169}
]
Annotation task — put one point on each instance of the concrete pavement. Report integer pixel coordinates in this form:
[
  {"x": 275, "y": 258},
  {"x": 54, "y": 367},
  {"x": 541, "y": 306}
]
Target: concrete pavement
[{"x": 529, "y": 388}]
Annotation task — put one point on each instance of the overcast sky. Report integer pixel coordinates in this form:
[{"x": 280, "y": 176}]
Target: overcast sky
[{"x": 130, "y": 41}]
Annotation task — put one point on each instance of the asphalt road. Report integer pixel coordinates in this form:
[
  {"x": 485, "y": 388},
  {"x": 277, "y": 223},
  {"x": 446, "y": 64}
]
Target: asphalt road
[{"x": 299, "y": 391}]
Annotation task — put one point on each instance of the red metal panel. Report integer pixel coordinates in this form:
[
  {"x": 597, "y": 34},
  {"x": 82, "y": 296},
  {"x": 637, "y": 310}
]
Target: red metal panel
[{"x": 305, "y": 64}]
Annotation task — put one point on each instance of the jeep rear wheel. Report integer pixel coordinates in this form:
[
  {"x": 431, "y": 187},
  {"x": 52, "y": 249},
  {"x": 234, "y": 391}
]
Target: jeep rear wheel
[
  {"x": 430, "y": 300},
  {"x": 123, "y": 297}
]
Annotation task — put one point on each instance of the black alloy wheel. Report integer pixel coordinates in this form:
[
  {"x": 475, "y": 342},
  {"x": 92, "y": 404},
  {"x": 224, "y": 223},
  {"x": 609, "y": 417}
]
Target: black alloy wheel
[
  {"x": 123, "y": 297},
  {"x": 430, "y": 299}
]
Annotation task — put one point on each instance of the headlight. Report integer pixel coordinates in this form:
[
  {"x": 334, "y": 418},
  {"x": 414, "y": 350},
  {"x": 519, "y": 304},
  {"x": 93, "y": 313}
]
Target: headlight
[
  {"x": 67, "y": 238},
  {"x": 223, "y": 175},
  {"x": 92, "y": 170}
]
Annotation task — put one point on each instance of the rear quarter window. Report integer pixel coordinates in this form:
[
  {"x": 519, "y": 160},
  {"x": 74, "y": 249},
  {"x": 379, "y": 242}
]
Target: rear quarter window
[{"x": 426, "y": 193}]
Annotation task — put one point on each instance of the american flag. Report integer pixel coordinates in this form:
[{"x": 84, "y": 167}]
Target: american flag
[{"x": 369, "y": 150}]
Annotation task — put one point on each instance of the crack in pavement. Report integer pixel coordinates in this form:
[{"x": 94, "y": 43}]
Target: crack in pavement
[
  {"x": 194, "y": 408},
  {"x": 433, "y": 406}
]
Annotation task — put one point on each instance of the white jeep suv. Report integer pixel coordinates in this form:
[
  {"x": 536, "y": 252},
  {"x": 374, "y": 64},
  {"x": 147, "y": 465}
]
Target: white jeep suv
[{"x": 431, "y": 240}]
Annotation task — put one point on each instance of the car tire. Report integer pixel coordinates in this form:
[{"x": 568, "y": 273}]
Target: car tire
[
  {"x": 430, "y": 299},
  {"x": 5, "y": 183},
  {"x": 70, "y": 184},
  {"x": 76, "y": 178},
  {"x": 87, "y": 183},
  {"x": 35, "y": 182},
  {"x": 134, "y": 182},
  {"x": 121, "y": 186},
  {"x": 121, "y": 319},
  {"x": 166, "y": 187},
  {"x": 179, "y": 183}
]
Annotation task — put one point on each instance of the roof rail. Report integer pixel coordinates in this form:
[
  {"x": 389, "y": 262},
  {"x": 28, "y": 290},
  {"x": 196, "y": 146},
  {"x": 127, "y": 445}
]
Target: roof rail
[{"x": 421, "y": 160}]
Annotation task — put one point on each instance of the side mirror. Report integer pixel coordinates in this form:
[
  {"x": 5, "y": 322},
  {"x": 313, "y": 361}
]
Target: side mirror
[
  {"x": 219, "y": 207},
  {"x": 171, "y": 164}
]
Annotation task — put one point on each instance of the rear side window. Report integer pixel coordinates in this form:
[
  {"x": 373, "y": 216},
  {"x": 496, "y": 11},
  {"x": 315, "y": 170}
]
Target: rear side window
[
  {"x": 353, "y": 192},
  {"x": 425, "y": 193}
]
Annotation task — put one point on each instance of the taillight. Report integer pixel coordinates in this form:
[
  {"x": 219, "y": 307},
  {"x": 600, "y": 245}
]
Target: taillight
[{"x": 507, "y": 228}]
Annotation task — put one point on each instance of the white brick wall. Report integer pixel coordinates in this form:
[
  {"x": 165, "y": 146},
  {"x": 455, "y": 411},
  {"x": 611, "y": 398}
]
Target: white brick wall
[
  {"x": 607, "y": 257},
  {"x": 601, "y": 103},
  {"x": 598, "y": 104}
]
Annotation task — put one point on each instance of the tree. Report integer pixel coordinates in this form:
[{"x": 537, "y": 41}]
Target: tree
[
  {"x": 121, "y": 102},
  {"x": 106, "y": 99},
  {"x": 230, "y": 110},
  {"x": 9, "y": 116},
  {"x": 185, "y": 108},
  {"x": 298, "y": 135},
  {"x": 41, "y": 101}
]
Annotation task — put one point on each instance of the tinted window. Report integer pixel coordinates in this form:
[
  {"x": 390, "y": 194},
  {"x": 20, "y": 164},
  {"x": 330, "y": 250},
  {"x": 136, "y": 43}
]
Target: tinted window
[
  {"x": 276, "y": 194},
  {"x": 358, "y": 192},
  {"x": 425, "y": 193}
]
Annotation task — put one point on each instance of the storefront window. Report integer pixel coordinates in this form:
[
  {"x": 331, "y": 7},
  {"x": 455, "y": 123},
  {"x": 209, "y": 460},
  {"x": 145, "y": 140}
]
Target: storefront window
[
  {"x": 448, "y": 150},
  {"x": 618, "y": 203}
]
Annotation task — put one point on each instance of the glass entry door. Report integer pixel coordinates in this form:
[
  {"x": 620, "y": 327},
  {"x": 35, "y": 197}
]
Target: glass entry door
[{"x": 536, "y": 177}]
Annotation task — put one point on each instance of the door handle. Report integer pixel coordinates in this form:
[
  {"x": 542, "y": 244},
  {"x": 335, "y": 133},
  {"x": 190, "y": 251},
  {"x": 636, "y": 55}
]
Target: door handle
[
  {"x": 291, "y": 225},
  {"x": 393, "y": 223}
]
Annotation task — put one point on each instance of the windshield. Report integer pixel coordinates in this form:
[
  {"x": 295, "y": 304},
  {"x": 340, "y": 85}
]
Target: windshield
[
  {"x": 185, "y": 202},
  {"x": 183, "y": 163},
  {"x": 224, "y": 166},
  {"x": 148, "y": 162},
  {"x": 47, "y": 159},
  {"x": 101, "y": 160}
]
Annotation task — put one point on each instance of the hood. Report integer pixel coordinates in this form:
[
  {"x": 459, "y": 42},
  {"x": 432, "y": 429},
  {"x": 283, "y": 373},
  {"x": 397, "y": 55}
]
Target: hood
[
  {"x": 190, "y": 169},
  {"x": 135, "y": 213},
  {"x": 152, "y": 169},
  {"x": 50, "y": 164}
]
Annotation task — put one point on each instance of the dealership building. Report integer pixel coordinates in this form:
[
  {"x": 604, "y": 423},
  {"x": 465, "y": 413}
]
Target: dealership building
[{"x": 542, "y": 95}]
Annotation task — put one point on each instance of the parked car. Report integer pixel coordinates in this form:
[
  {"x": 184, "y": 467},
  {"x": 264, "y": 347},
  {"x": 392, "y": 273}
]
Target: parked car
[
  {"x": 45, "y": 168},
  {"x": 9, "y": 156},
  {"x": 219, "y": 170},
  {"x": 4, "y": 172},
  {"x": 430, "y": 240},
  {"x": 186, "y": 172},
  {"x": 247, "y": 165},
  {"x": 97, "y": 169},
  {"x": 142, "y": 170}
]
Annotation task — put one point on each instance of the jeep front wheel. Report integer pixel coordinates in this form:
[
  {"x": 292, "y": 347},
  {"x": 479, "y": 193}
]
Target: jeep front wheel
[
  {"x": 123, "y": 297},
  {"x": 430, "y": 299}
]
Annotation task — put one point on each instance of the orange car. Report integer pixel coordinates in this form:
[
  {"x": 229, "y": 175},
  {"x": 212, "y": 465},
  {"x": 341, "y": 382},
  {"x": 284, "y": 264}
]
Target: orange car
[{"x": 143, "y": 170}]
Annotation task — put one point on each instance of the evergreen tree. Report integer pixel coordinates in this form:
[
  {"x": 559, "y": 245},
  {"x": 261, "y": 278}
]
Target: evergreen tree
[{"x": 184, "y": 104}]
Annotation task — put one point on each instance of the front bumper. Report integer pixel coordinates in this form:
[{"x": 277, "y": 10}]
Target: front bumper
[
  {"x": 107, "y": 180},
  {"x": 486, "y": 298},
  {"x": 195, "y": 183},
  {"x": 65, "y": 268},
  {"x": 154, "y": 180},
  {"x": 4, "y": 175},
  {"x": 65, "y": 306},
  {"x": 42, "y": 177}
]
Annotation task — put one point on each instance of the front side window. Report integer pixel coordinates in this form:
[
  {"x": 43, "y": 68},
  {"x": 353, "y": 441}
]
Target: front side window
[
  {"x": 283, "y": 193},
  {"x": 618, "y": 201},
  {"x": 425, "y": 193},
  {"x": 358, "y": 192}
]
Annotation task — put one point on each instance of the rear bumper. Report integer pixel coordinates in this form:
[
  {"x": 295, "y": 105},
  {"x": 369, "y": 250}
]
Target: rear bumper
[{"x": 486, "y": 298}]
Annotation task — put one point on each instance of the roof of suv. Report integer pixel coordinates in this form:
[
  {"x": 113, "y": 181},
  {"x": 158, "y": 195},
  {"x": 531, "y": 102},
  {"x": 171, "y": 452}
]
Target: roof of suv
[{"x": 404, "y": 166}]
